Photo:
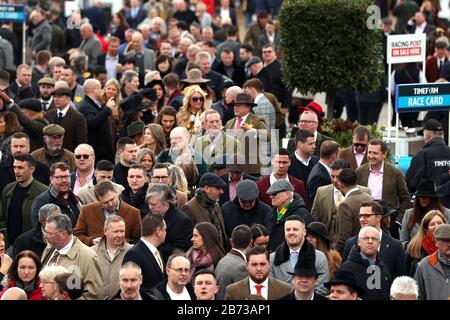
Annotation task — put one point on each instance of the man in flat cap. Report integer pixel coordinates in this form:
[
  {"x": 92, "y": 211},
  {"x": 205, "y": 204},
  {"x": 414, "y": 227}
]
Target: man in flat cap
[
  {"x": 433, "y": 160},
  {"x": 46, "y": 88},
  {"x": 53, "y": 150},
  {"x": 285, "y": 202},
  {"x": 432, "y": 271},
  {"x": 246, "y": 208},
  {"x": 204, "y": 206},
  {"x": 66, "y": 116}
]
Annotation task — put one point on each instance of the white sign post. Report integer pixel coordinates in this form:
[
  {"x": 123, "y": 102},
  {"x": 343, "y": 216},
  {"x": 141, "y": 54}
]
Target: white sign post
[{"x": 403, "y": 48}]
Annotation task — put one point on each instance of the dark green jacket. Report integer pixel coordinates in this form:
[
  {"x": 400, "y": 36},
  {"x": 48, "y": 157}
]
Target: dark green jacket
[{"x": 36, "y": 188}]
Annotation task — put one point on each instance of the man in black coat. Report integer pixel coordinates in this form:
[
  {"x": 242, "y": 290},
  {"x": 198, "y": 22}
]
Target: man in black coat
[
  {"x": 232, "y": 178},
  {"x": 285, "y": 203},
  {"x": 246, "y": 208},
  {"x": 320, "y": 174},
  {"x": 34, "y": 239},
  {"x": 177, "y": 286},
  {"x": 230, "y": 68},
  {"x": 432, "y": 161},
  {"x": 371, "y": 272},
  {"x": 162, "y": 200},
  {"x": 20, "y": 143},
  {"x": 99, "y": 132},
  {"x": 391, "y": 250},
  {"x": 135, "y": 193},
  {"x": 145, "y": 253}
]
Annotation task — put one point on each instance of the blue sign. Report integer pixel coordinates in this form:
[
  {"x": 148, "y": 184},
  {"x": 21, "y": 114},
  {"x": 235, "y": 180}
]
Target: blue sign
[
  {"x": 418, "y": 97},
  {"x": 12, "y": 13}
]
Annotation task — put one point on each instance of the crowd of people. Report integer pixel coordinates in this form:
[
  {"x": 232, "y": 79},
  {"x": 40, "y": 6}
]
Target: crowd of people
[{"x": 142, "y": 160}]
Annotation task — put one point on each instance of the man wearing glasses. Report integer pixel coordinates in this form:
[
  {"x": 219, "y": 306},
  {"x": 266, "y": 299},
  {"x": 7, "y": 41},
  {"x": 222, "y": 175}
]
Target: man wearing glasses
[
  {"x": 356, "y": 154},
  {"x": 58, "y": 193},
  {"x": 391, "y": 250},
  {"x": 371, "y": 272},
  {"x": 177, "y": 286},
  {"x": 84, "y": 160}
]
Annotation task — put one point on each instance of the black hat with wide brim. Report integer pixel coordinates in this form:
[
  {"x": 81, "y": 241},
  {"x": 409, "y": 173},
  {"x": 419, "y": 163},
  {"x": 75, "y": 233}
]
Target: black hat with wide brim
[
  {"x": 427, "y": 188},
  {"x": 346, "y": 278}
]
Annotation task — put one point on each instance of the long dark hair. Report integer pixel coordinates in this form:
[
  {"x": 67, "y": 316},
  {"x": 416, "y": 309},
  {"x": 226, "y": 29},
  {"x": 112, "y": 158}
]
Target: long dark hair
[
  {"x": 418, "y": 212},
  {"x": 211, "y": 240}
]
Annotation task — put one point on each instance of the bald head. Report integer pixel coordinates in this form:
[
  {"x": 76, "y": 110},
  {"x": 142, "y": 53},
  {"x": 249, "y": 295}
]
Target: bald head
[
  {"x": 14, "y": 293},
  {"x": 86, "y": 30},
  {"x": 231, "y": 93},
  {"x": 92, "y": 88},
  {"x": 138, "y": 40}
]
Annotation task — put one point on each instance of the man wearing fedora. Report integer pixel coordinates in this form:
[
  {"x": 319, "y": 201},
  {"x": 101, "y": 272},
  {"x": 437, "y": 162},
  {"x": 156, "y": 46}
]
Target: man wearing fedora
[
  {"x": 391, "y": 250},
  {"x": 251, "y": 131},
  {"x": 310, "y": 120},
  {"x": 432, "y": 271},
  {"x": 73, "y": 122},
  {"x": 344, "y": 286},
  {"x": 304, "y": 280},
  {"x": 204, "y": 207},
  {"x": 246, "y": 208},
  {"x": 433, "y": 160},
  {"x": 293, "y": 248}
]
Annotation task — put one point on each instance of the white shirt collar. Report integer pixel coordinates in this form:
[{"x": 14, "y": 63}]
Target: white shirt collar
[
  {"x": 350, "y": 191},
  {"x": 299, "y": 158},
  {"x": 64, "y": 111},
  {"x": 151, "y": 247},
  {"x": 67, "y": 248},
  {"x": 273, "y": 179},
  {"x": 326, "y": 167}
]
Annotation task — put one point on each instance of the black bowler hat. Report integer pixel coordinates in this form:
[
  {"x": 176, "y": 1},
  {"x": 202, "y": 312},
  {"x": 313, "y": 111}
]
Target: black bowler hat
[
  {"x": 318, "y": 229},
  {"x": 305, "y": 266},
  {"x": 346, "y": 278},
  {"x": 427, "y": 188}
]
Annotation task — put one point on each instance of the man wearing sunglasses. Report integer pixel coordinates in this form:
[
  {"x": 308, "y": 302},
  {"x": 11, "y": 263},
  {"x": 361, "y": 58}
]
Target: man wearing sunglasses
[
  {"x": 356, "y": 154},
  {"x": 84, "y": 160}
]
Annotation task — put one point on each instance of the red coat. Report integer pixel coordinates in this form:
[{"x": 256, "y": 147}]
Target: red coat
[
  {"x": 264, "y": 185},
  {"x": 210, "y": 6},
  {"x": 36, "y": 294}
]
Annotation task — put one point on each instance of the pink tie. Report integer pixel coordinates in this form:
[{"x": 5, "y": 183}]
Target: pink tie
[{"x": 239, "y": 123}]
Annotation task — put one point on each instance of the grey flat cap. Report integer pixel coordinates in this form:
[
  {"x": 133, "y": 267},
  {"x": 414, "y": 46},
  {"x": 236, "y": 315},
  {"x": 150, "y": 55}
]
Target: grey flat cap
[
  {"x": 280, "y": 186},
  {"x": 247, "y": 190}
]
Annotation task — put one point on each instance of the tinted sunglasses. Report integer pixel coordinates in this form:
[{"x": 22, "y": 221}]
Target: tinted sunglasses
[
  {"x": 361, "y": 145},
  {"x": 84, "y": 156},
  {"x": 196, "y": 99}
]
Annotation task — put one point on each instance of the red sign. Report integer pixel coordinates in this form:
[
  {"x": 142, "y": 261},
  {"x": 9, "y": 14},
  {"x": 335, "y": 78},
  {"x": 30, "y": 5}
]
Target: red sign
[{"x": 405, "y": 52}]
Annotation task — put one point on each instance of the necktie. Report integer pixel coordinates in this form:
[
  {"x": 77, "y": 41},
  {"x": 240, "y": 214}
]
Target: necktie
[
  {"x": 44, "y": 105},
  {"x": 259, "y": 289},
  {"x": 441, "y": 64},
  {"x": 59, "y": 118},
  {"x": 239, "y": 123},
  {"x": 159, "y": 260},
  {"x": 339, "y": 200},
  {"x": 54, "y": 258},
  {"x": 293, "y": 259}
]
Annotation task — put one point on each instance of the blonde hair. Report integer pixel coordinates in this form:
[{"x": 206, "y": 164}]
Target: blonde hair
[
  {"x": 178, "y": 179},
  {"x": 184, "y": 115}
]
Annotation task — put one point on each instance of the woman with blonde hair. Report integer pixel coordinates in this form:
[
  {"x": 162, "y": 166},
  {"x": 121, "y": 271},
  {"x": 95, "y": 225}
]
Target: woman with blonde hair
[
  {"x": 179, "y": 182},
  {"x": 423, "y": 243},
  {"x": 187, "y": 165},
  {"x": 147, "y": 158},
  {"x": 154, "y": 138},
  {"x": 193, "y": 106},
  {"x": 111, "y": 92}
]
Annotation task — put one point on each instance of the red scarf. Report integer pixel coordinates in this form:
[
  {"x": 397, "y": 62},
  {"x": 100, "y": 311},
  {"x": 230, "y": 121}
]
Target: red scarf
[{"x": 428, "y": 244}]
